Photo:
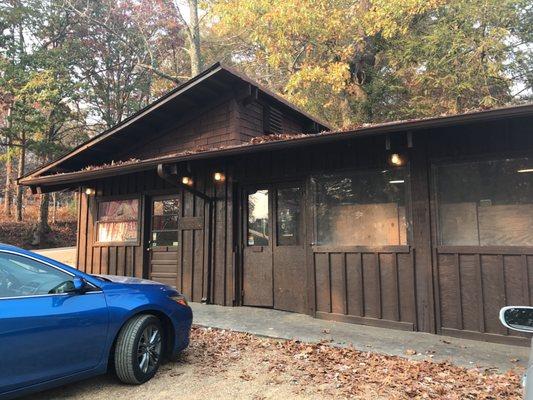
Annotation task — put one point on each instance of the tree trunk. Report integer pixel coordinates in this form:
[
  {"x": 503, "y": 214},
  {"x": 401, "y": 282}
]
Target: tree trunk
[
  {"x": 21, "y": 168},
  {"x": 43, "y": 227},
  {"x": 8, "y": 200},
  {"x": 194, "y": 29}
]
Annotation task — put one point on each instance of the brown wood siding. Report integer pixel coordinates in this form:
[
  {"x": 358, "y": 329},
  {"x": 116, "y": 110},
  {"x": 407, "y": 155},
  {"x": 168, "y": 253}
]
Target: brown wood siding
[
  {"x": 366, "y": 287},
  {"x": 212, "y": 128},
  {"x": 472, "y": 283},
  {"x": 187, "y": 269}
]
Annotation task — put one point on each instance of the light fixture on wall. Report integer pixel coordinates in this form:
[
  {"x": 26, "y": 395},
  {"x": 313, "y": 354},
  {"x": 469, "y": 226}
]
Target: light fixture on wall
[
  {"x": 525, "y": 171},
  {"x": 219, "y": 177},
  {"x": 396, "y": 160},
  {"x": 90, "y": 191},
  {"x": 186, "y": 180}
]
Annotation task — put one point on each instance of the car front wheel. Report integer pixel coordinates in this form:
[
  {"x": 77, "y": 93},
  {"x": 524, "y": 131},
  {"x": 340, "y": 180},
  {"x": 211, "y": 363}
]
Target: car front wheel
[{"x": 139, "y": 349}]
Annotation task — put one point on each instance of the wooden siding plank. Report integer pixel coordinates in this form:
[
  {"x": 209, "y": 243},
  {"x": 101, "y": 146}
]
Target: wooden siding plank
[
  {"x": 337, "y": 282},
  {"x": 354, "y": 285},
  {"x": 323, "y": 295}
]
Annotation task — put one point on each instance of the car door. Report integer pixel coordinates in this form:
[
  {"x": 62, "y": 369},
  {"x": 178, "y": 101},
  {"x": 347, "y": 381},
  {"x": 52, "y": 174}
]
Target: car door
[{"x": 46, "y": 334}]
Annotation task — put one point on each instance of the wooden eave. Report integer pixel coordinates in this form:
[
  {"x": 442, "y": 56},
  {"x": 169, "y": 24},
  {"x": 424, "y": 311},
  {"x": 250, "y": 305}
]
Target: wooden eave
[
  {"x": 154, "y": 112},
  {"x": 71, "y": 178}
]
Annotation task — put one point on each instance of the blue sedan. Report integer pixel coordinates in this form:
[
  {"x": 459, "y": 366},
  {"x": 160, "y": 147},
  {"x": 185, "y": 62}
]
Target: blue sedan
[{"x": 59, "y": 325}]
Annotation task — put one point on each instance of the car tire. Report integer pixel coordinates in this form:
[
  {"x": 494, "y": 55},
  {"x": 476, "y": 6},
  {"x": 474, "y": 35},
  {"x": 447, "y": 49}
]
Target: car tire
[{"x": 139, "y": 349}]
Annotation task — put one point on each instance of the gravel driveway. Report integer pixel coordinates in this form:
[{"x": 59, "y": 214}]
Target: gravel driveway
[{"x": 222, "y": 364}]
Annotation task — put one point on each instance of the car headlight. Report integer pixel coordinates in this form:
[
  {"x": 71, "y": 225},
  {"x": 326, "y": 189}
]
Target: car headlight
[{"x": 180, "y": 299}]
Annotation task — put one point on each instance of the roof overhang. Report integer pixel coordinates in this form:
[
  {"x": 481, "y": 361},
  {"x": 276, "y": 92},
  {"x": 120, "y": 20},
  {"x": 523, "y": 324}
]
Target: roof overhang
[
  {"x": 78, "y": 177},
  {"x": 208, "y": 85}
]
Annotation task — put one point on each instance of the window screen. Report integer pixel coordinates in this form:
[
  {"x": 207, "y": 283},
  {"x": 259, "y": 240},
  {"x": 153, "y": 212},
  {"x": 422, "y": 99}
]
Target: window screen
[
  {"x": 288, "y": 219},
  {"x": 485, "y": 203},
  {"x": 362, "y": 208},
  {"x": 118, "y": 221}
]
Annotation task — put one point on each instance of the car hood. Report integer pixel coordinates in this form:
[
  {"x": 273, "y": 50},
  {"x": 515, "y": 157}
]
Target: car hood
[{"x": 129, "y": 280}]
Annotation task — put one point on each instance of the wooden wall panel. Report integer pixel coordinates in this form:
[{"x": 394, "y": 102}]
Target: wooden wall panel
[
  {"x": 322, "y": 282},
  {"x": 354, "y": 284},
  {"x": 338, "y": 283},
  {"x": 364, "y": 287}
]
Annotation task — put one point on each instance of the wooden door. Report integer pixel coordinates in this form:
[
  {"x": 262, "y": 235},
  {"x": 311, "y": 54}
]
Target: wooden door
[
  {"x": 163, "y": 242},
  {"x": 257, "y": 254},
  {"x": 289, "y": 261}
]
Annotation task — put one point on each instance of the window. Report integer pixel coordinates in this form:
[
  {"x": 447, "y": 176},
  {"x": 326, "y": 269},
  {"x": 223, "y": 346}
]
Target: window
[
  {"x": 288, "y": 216},
  {"x": 165, "y": 222},
  {"x": 362, "y": 209},
  {"x": 118, "y": 221},
  {"x": 22, "y": 276},
  {"x": 485, "y": 203},
  {"x": 258, "y": 218}
]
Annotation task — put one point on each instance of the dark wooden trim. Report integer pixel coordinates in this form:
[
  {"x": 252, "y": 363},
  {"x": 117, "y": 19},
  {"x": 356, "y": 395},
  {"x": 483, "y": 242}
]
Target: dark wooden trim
[
  {"x": 362, "y": 249},
  {"x": 485, "y": 250},
  {"x": 353, "y": 319},
  {"x": 486, "y": 337}
]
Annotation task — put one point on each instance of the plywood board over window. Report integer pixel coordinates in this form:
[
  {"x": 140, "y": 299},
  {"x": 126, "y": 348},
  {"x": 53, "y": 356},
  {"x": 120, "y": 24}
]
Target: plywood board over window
[{"x": 369, "y": 224}]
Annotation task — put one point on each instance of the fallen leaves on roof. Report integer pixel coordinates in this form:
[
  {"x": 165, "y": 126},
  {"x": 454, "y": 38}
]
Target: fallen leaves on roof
[{"x": 111, "y": 164}]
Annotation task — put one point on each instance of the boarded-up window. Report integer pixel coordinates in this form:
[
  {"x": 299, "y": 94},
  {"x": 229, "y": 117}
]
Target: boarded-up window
[
  {"x": 118, "y": 221},
  {"x": 485, "y": 203},
  {"x": 362, "y": 208}
]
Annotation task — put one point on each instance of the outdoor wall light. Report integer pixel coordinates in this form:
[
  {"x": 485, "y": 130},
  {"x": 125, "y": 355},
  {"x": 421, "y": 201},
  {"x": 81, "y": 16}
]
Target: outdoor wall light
[
  {"x": 90, "y": 191},
  {"x": 186, "y": 180},
  {"x": 219, "y": 177},
  {"x": 396, "y": 160}
]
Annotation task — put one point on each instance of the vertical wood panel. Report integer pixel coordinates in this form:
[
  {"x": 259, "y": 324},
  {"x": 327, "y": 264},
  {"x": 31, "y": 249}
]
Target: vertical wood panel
[
  {"x": 104, "y": 267},
  {"x": 406, "y": 288},
  {"x": 493, "y": 292},
  {"x": 470, "y": 291},
  {"x": 338, "y": 286},
  {"x": 371, "y": 282},
  {"x": 354, "y": 284},
  {"x": 451, "y": 311},
  {"x": 323, "y": 295},
  {"x": 389, "y": 287}
]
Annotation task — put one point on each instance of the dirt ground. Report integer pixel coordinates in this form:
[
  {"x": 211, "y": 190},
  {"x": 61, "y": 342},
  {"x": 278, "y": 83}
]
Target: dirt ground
[{"x": 229, "y": 365}]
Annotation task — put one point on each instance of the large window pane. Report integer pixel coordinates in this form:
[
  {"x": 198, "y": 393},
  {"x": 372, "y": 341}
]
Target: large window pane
[
  {"x": 362, "y": 208},
  {"x": 118, "y": 221},
  {"x": 258, "y": 218},
  {"x": 486, "y": 203},
  {"x": 288, "y": 215}
]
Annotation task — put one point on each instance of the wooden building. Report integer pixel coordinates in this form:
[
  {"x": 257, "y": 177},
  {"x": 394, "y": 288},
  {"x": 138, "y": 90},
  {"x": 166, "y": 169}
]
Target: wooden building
[{"x": 236, "y": 197}]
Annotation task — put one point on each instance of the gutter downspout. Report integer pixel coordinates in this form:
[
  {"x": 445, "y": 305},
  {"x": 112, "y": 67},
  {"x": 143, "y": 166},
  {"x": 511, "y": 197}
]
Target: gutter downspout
[{"x": 167, "y": 177}]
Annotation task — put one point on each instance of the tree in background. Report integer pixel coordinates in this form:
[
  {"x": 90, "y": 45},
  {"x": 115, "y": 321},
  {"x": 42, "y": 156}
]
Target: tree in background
[{"x": 353, "y": 62}]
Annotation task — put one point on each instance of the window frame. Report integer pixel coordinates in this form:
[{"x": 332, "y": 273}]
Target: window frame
[
  {"x": 105, "y": 199},
  {"x": 434, "y": 164},
  {"x": 346, "y": 172},
  {"x": 150, "y": 205},
  {"x": 37, "y": 260}
]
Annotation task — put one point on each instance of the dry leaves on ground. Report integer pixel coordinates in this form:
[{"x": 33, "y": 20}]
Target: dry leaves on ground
[{"x": 346, "y": 372}]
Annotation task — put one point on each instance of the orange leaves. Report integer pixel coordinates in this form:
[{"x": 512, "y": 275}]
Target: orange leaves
[{"x": 346, "y": 372}]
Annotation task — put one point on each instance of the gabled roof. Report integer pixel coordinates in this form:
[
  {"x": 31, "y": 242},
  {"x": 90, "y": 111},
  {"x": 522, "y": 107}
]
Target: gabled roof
[
  {"x": 280, "y": 142},
  {"x": 192, "y": 93}
]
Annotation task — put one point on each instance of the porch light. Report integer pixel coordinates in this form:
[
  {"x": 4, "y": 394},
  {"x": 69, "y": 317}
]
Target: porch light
[
  {"x": 186, "y": 180},
  {"x": 219, "y": 177},
  {"x": 396, "y": 160},
  {"x": 90, "y": 191}
]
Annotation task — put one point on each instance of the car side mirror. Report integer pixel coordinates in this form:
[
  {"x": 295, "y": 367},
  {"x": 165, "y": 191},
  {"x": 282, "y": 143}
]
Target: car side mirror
[
  {"x": 517, "y": 318},
  {"x": 80, "y": 284}
]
